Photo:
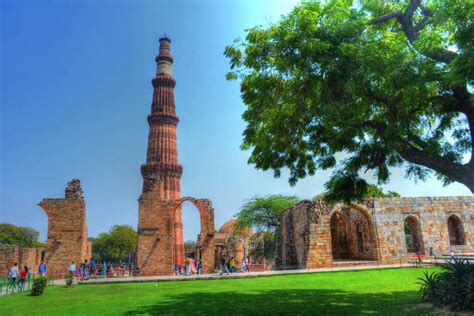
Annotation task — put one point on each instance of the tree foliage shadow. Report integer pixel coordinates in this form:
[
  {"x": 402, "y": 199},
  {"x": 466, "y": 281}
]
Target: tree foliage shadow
[{"x": 290, "y": 302}]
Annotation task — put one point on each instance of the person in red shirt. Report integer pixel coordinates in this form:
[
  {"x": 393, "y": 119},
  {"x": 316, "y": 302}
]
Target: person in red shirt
[
  {"x": 419, "y": 257},
  {"x": 23, "y": 274}
]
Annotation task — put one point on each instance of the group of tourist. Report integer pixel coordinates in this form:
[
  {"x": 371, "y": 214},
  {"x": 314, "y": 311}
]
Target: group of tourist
[
  {"x": 228, "y": 265},
  {"x": 94, "y": 269},
  {"x": 19, "y": 275},
  {"x": 190, "y": 267}
]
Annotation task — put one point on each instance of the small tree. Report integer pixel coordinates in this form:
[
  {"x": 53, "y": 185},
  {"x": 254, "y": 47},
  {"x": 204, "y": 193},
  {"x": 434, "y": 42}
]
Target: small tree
[
  {"x": 263, "y": 215},
  {"x": 115, "y": 244}
]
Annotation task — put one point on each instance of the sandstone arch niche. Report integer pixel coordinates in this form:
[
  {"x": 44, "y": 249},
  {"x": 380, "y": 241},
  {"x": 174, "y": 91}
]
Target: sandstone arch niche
[
  {"x": 455, "y": 231},
  {"x": 413, "y": 234},
  {"x": 339, "y": 238},
  {"x": 205, "y": 241},
  {"x": 352, "y": 234}
]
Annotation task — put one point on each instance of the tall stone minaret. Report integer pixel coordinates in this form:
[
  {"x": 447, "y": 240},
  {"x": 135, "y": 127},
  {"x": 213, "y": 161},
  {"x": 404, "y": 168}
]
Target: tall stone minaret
[{"x": 162, "y": 155}]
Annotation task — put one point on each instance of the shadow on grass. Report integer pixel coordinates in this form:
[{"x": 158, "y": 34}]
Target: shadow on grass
[{"x": 314, "y": 301}]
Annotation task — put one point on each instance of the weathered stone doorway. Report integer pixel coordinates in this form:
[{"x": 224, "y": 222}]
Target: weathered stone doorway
[
  {"x": 339, "y": 240},
  {"x": 352, "y": 236},
  {"x": 455, "y": 231},
  {"x": 413, "y": 234}
]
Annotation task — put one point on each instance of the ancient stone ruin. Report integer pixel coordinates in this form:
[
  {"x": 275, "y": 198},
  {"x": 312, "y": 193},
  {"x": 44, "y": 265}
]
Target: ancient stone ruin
[
  {"x": 316, "y": 234},
  {"x": 67, "y": 229}
]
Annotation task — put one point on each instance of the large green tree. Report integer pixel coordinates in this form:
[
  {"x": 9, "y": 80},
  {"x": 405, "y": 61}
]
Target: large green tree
[
  {"x": 361, "y": 86},
  {"x": 18, "y": 235},
  {"x": 116, "y": 244}
]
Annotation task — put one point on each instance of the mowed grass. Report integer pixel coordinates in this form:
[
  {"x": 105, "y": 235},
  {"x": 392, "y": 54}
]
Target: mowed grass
[{"x": 383, "y": 292}]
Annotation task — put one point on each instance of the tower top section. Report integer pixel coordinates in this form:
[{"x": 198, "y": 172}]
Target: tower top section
[{"x": 164, "y": 60}]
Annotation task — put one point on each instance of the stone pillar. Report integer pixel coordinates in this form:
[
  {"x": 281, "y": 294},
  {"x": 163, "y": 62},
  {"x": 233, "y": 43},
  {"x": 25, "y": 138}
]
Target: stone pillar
[{"x": 67, "y": 229}]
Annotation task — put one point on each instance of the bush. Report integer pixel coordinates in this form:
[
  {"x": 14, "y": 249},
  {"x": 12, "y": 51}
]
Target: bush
[
  {"x": 39, "y": 284},
  {"x": 454, "y": 287}
]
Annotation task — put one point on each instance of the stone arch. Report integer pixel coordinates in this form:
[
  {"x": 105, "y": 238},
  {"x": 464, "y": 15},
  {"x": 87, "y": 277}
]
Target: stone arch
[
  {"x": 455, "y": 231},
  {"x": 204, "y": 244},
  {"x": 360, "y": 236},
  {"x": 339, "y": 236},
  {"x": 413, "y": 234}
]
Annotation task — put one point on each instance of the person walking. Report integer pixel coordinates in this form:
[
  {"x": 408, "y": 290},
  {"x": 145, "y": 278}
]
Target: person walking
[
  {"x": 419, "y": 259},
  {"x": 232, "y": 264},
  {"x": 224, "y": 263},
  {"x": 13, "y": 275},
  {"x": 42, "y": 268},
  {"x": 71, "y": 270},
  {"x": 199, "y": 267},
  {"x": 187, "y": 266},
  {"x": 23, "y": 274}
]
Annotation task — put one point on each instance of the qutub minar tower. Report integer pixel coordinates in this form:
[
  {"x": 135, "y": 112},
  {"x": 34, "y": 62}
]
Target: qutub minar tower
[{"x": 162, "y": 154}]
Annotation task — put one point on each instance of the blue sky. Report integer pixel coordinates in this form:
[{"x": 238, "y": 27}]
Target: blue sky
[{"x": 75, "y": 93}]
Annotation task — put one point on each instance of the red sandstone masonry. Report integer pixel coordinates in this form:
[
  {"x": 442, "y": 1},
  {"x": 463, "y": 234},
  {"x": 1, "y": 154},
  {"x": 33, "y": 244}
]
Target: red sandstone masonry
[
  {"x": 67, "y": 230},
  {"x": 162, "y": 153}
]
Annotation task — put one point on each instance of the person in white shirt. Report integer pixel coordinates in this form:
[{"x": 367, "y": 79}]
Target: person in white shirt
[
  {"x": 13, "y": 274},
  {"x": 72, "y": 268}
]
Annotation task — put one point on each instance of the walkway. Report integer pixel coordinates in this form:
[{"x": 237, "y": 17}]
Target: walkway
[{"x": 234, "y": 275}]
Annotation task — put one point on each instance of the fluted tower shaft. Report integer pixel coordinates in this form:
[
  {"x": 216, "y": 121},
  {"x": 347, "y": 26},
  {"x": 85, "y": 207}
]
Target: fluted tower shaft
[{"x": 162, "y": 153}]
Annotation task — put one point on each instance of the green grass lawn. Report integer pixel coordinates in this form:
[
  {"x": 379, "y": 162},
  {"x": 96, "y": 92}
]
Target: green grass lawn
[{"x": 383, "y": 292}]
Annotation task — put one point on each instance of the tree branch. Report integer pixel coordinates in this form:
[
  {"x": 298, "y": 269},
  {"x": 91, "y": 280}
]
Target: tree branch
[
  {"x": 412, "y": 32},
  {"x": 385, "y": 17},
  {"x": 456, "y": 172}
]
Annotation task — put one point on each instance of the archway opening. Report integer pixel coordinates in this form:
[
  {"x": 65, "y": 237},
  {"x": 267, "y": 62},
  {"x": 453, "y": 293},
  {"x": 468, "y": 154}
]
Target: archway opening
[
  {"x": 413, "y": 235},
  {"x": 455, "y": 231},
  {"x": 352, "y": 235},
  {"x": 191, "y": 230},
  {"x": 339, "y": 240}
]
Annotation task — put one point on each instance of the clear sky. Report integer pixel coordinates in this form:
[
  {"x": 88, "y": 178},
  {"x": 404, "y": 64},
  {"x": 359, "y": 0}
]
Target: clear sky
[{"x": 75, "y": 93}]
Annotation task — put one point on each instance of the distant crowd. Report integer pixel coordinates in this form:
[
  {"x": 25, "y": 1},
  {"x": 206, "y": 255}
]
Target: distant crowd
[{"x": 93, "y": 269}]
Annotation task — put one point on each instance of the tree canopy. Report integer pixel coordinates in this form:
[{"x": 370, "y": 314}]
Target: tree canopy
[
  {"x": 361, "y": 86},
  {"x": 116, "y": 244},
  {"x": 372, "y": 191},
  {"x": 263, "y": 213},
  {"x": 20, "y": 236}
]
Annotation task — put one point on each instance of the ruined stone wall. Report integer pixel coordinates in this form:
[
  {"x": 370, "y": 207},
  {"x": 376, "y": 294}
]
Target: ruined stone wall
[
  {"x": 432, "y": 214},
  {"x": 375, "y": 229},
  {"x": 67, "y": 229},
  {"x": 9, "y": 254}
]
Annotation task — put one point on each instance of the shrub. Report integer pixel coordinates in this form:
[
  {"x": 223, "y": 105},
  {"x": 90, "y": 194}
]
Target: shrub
[
  {"x": 453, "y": 287},
  {"x": 39, "y": 284}
]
